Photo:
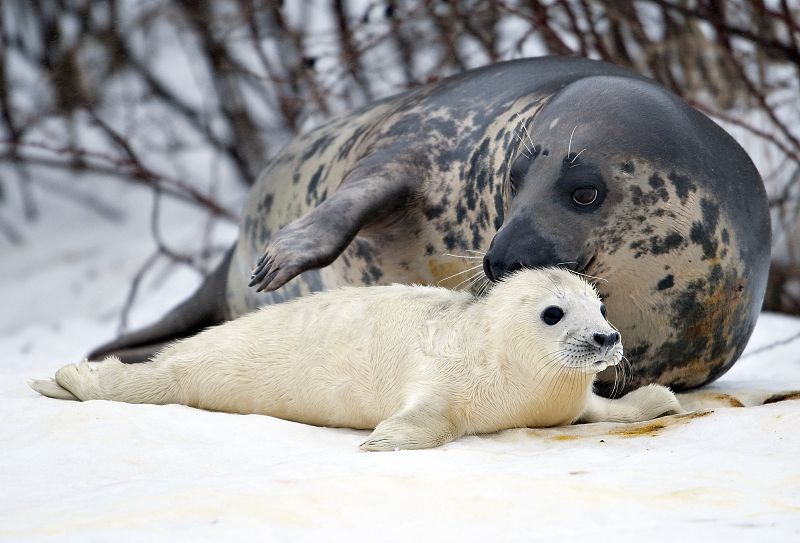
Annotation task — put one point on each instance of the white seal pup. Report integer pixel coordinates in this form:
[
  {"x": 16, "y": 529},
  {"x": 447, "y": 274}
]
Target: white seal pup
[{"x": 421, "y": 365}]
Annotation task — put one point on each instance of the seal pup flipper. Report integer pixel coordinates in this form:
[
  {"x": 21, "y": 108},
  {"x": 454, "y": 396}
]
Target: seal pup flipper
[
  {"x": 201, "y": 310},
  {"x": 316, "y": 239},
  {"x": 645, "y": 403},
  {"x": 51, "y": 389},
  {"x": 421, "y": 426},
  {"x": 110, "y": 379}
]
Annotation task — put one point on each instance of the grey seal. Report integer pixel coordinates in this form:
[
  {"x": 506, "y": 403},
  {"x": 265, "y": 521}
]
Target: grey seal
[{"x": 546, "y": 161}]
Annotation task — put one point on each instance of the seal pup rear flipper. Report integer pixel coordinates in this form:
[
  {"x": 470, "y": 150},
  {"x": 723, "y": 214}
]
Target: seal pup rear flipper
[
  {"x": 51, "y": 389},
  {"x": 201, "y": 310}
]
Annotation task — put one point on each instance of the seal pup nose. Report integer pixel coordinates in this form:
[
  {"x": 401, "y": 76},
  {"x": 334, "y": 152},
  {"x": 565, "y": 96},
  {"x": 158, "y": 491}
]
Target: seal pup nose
[{"x": 606, "y": 339}]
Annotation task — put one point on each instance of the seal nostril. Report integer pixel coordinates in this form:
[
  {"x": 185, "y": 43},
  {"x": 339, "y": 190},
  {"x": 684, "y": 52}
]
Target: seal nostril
[
  {"x": 606, "y": 339},
  {"x": 487, "y": 268}
]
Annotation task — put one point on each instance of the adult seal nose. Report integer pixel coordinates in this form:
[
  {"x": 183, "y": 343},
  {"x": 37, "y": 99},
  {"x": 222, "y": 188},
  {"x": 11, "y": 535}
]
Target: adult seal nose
[{"x": 498, "y": 270}]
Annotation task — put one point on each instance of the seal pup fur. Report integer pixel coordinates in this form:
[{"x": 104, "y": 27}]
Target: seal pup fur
[{"x": 421, "y": 365}]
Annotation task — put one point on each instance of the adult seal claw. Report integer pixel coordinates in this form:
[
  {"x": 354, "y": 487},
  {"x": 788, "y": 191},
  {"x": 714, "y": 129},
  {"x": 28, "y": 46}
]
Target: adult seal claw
[
  {"x": 421, "y": 365},
  {"x": 535, "y": 162}
]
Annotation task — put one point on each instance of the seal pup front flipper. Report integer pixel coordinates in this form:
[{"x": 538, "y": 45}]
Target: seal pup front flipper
[
  {"x": 644, "y": 403},
  {"x": 372, "y": 192},
  {"x": 201, "y": 310},
  {"x": 421, "y": 425}
]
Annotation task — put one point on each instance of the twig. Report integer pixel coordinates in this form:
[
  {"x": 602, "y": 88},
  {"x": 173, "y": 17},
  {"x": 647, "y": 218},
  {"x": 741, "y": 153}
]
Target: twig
[
  {"x": 155, "y": 214},
  {"x": 137, "y": 172},
  {"x": 750, "y": 128},
  {"x": 779, "y": 343},
  {"x": 779, "y": 48},
  {"x": 133, "y": 291}
]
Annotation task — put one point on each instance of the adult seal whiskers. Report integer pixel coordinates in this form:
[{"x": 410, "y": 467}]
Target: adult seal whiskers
[
  {"x": 421, "y": 365},
  {"x": 535, "y": 162}
]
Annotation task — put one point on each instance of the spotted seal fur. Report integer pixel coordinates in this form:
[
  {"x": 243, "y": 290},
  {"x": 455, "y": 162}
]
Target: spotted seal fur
[
  {"x": 534, "y": 162},
  {"x": 420, "y": 365}
]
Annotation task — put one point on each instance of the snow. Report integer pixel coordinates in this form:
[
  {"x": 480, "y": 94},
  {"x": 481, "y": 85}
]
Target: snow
[{"x": 101, "y": 471}]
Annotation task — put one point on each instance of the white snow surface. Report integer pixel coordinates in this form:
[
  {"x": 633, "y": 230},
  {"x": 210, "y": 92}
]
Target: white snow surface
[{"x": 105, "y": 471}]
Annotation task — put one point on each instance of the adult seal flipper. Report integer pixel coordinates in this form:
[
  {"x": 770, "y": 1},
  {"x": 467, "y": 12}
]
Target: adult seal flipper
[
  {"x": 202, "y": 309},
  {"x": 377, "y": 187}
]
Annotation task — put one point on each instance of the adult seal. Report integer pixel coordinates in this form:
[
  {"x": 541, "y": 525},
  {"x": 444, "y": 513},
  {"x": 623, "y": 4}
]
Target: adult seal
[
  {"x": 420, "y": 365},
  {"x": 533, "y": 162}
]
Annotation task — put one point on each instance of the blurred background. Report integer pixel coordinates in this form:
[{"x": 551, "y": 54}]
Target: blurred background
[{"x": 161, "y": 113}]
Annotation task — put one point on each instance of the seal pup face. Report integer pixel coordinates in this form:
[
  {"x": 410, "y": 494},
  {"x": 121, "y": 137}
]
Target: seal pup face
[{"x": 554, "y": 321}]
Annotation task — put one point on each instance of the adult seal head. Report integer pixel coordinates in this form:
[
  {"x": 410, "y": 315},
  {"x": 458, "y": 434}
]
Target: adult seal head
[
  {"x": 533, "y": 162},
  {"x": 625, "y": 181}
]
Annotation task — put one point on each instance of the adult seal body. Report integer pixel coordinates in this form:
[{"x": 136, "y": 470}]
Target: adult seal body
[
  {"x": 421, "y": 365},
  {"x": 533, "y": 162}
]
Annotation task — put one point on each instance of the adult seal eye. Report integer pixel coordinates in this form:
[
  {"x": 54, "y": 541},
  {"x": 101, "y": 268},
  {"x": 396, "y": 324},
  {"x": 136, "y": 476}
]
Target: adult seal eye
[
  {"x": 585, "y": 196},
  {"x": 552, "y": 315}
]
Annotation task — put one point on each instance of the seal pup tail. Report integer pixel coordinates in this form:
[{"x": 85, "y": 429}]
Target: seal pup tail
[{"x": 201, "y": 310}]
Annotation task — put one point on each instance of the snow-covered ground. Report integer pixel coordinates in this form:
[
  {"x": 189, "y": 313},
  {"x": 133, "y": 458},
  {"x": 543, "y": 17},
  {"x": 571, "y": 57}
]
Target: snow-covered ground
[{"x": 103, "y": 471}]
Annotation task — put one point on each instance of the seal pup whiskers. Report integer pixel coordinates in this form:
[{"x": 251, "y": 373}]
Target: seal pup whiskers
[{"x": 421, "y": 365}]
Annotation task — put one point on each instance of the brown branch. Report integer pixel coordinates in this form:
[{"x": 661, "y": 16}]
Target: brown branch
[
  {"x": 575, "y": 27},
  {"x": 786, "y": 16},
  {"x": 246, "y": 148},
  {"x": 538, "y": 17},
  {"x": 133, "y": 291},
  {"x": 599, "y": 45},
  {"x": 137, "y": 171},
  {"x": 155, "y": 214},
  {"x": 447, "y": 35},
  {"x": 768, "y": 136},
  {"x": 762, "y": 101},
  {"x": 351, "y": 57},
  {"x": 774, "y": 345},
  {"x": 405, "y": 46},
  {"x": 482, "y": 29},
  {"x": 777, "y": 48}
]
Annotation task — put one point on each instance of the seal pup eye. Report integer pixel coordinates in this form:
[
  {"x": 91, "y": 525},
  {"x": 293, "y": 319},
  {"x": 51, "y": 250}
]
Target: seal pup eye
[
  {"x": 585, "y": 196},
  {"x": 603, "y": 311},
  {"x": 552, "y": 315}
]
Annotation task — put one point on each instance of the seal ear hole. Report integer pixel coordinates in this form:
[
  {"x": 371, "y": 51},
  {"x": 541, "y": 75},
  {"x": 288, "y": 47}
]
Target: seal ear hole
[
  {"x": 518, "y": 171},
  {"x": 604, "y": 311},
  {"x": 585, "y": 196},
  {"x": 552, "y": 315}
]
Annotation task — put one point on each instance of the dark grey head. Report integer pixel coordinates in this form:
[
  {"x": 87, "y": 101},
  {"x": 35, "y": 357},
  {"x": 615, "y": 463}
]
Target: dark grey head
[{"x": 589, "y": 140}]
